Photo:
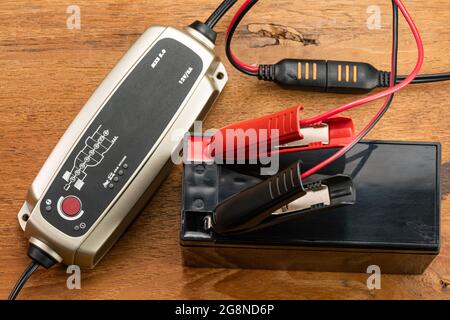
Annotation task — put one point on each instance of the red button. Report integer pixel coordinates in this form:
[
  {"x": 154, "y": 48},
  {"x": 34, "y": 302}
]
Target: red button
[{"x": 71, "y": 206}]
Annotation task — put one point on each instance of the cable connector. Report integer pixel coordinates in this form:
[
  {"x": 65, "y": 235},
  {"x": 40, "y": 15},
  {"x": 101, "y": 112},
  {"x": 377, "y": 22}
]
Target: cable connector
[{"x": 325, "y": 76}]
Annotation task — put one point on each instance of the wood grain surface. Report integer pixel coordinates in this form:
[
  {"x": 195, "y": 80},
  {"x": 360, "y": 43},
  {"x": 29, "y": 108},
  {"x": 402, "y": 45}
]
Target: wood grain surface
[{"x": 47, "y": 72}]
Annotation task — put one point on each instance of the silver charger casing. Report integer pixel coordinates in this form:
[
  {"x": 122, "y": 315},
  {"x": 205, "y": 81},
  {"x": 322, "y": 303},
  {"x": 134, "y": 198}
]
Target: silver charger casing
[{"x": 118, "y": 149}]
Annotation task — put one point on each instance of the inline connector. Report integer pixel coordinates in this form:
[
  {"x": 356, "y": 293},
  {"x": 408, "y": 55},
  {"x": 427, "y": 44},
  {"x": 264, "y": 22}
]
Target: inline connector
[{"x": 324, "y": 75}]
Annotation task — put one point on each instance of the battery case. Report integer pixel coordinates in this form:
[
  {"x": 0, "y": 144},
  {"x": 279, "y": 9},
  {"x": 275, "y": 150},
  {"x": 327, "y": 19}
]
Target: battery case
[{"x": 394, "y": 223}]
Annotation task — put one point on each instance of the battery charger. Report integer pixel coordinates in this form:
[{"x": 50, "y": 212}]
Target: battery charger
[{"x": 119, "y": 147}]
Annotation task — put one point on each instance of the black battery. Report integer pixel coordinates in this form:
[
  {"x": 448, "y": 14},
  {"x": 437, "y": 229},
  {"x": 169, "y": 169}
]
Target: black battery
[{"x": 394, "y": 223}]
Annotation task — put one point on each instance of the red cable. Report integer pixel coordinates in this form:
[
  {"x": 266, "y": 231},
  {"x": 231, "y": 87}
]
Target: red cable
[
  {"x": 357, "y": 103},
  {"x": 242, "y": 64},
  {"x": 394, "y": 89},
  {"x": 368, "y": 99}
]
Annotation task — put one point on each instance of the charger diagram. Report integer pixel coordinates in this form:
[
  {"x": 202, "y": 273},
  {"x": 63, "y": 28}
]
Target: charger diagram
[{"x": 95, "y": 148}]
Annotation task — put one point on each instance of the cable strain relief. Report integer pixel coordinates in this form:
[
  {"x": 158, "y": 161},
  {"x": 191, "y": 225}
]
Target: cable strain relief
[
  {"x": 266, "y": 72},
  {"x": 384, "y": 79},
  {"x": 40, "y": 256},
  {"x": 205, "y": 30}
]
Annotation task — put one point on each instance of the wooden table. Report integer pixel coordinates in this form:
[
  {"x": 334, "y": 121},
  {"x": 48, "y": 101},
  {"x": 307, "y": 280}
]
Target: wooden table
[{"x": 48, "y": 72}]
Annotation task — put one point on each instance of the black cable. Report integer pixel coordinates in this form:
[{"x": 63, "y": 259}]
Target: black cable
[
  {"x": 268, "y": 72},
  {"x": 394, "y": 76},
  {"x": 219, "y": 13},
  {"x": 39, "y": 257},
  {"x": 428, "y": 78},
  {"x": 230, "y": 37},
  {"x": 23, "y": 279}
]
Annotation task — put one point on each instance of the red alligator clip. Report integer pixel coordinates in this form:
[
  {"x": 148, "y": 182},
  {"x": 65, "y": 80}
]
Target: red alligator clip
[{"x": 259, "y": 137}]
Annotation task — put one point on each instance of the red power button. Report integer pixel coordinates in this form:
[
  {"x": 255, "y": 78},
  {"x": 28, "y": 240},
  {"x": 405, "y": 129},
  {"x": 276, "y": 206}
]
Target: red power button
[{"x": 71, "y": 206}]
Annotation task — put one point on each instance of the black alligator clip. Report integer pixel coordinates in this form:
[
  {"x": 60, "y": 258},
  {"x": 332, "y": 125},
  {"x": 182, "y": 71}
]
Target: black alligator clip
[{"x": 277, "y": 199}]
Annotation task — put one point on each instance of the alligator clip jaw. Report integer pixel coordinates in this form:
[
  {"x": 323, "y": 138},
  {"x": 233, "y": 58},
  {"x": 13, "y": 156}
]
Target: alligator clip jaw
[{"x": 334, "y": 132}]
